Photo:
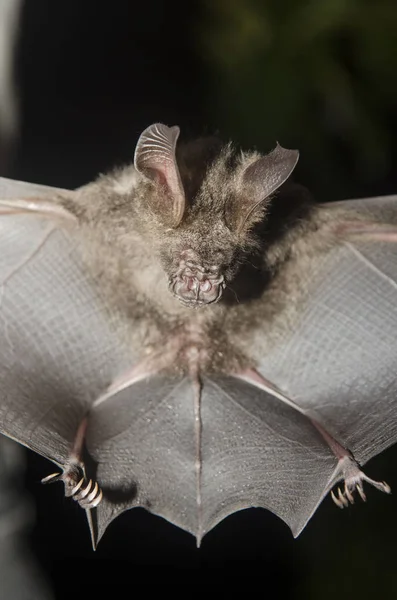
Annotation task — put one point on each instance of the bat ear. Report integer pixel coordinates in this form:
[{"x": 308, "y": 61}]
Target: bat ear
[
  {"x": 262, "y": 178},
  {"x": 155, "y": 158}
]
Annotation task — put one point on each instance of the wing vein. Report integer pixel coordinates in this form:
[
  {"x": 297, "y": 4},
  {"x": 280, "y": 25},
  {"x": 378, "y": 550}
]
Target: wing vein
[
  {"x": 276, "y": 433},
  {"x": 371, "y": 265},
  {"x": 26, "y": 259}
]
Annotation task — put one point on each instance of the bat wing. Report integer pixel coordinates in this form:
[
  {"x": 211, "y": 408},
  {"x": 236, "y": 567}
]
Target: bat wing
[
  {"x": 51, "y": 366},
  {"x": 58, "y": 349},
  {"x": 60, "y": 353},
  {"x": 259, "y": 452},
  {"x": 337, "y": 362},
  {"x": 194, "y": 457},
  {"x": 148, "y": 452}
]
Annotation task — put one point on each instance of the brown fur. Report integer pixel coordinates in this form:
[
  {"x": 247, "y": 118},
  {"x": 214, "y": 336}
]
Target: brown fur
[{"x": 130, "y": 250}]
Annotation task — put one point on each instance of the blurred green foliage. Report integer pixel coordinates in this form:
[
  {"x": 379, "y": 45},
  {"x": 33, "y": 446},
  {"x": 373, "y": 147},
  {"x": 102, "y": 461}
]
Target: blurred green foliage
[{"x": 318, "y": 75}]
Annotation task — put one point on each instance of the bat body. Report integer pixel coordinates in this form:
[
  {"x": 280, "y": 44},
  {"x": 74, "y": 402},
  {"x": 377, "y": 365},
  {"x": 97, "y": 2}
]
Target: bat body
[{"x": 191, "y": 335}]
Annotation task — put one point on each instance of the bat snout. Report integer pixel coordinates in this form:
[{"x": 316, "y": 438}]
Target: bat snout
[
  {"x": 195, "y": 281},
  {"x": 198, "y": 289}
]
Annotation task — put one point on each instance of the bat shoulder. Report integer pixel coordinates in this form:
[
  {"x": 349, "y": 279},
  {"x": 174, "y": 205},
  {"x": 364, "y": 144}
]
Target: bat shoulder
[{"x": 310, "y": 256}]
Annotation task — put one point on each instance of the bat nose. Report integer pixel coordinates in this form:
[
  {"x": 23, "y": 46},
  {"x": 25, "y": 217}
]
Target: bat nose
[
  {"x": 198, "y": 284},
  {"x": 197, "y": 290}
]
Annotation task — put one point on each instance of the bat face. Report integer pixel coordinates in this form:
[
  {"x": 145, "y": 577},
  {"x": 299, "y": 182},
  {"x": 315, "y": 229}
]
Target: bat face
[
  {"x": 199, "y": 261},
  {"x": 202, "y": 238}
]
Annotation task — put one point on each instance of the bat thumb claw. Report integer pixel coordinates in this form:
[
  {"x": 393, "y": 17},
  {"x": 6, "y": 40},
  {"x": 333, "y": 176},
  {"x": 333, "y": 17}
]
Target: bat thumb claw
[{"x": 52, "y": 478}]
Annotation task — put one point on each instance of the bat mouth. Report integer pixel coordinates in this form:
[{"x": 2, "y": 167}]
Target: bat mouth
[{"x": 194, "y": 292}]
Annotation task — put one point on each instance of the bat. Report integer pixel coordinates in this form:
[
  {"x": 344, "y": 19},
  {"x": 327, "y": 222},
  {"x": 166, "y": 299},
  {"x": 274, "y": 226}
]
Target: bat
[{"x": 192, "y": 334}]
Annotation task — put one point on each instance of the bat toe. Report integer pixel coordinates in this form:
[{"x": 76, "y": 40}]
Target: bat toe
[{"x": 354, "y": 479}]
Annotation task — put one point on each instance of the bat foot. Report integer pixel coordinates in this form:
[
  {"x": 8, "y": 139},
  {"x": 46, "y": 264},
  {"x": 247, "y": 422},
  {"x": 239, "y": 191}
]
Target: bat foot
[
  {"x": 84, "y": 491},
  {"x": 87, "y": 493},
  {"x": 353, "y": 482}
]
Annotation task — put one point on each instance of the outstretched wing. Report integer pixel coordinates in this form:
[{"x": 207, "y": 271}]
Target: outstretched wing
[
  {"x": 338, "y": 361},
  {"x": 192, "y": 457},
  {"x": 58, "y": 348},
  {"x": 59, "y": 355}
]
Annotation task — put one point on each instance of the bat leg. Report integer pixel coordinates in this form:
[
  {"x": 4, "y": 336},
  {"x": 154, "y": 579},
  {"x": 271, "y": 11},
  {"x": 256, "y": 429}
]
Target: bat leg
[
  {"x": 347, "y": 468},
  {"x": 77, "y": 486},
  {"x": 354, "y": 478}
]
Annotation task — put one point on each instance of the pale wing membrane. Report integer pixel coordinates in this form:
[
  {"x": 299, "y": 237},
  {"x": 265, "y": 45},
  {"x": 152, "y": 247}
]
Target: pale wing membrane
[
  {"x": 58, "y": 350},
  {"x": 254, "y": 451},
  {"x": 10, "y": 188},
  {"x": 258, "y": 451},
  {"x": 339, "y": 362},
  {"x": 143, "y": 439}
]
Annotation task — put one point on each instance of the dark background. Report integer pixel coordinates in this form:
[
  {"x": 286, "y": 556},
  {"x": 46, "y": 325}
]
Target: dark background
[{"x": 316, "y": 75}]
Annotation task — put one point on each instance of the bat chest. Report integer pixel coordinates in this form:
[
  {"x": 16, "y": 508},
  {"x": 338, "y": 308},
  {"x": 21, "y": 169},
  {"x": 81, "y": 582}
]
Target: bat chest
[
  {"x": 188, "y": 346},
  {"x": 195, "y": 347}
]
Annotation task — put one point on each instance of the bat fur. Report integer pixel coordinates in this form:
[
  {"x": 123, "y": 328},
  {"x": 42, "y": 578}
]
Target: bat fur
[{"x": 203, "y": 258}]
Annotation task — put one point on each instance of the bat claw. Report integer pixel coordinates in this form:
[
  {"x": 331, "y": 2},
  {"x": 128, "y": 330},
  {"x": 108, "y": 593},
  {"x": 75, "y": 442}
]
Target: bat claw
[
  {"x": 89, "y": 496},
  {"x": 353, "y": 482},
  {"x": 90, "y": 499},
  {"x": 360, "y": 490},
  {"x": 52, "y": 478},
  {"x": 83, "y": 493},
  {"x": 93, "y": 494},
  {"x": 349, "y": 494},
  {"x": 343, "y": 498},
  {"x": 339, "y": 503},
  {"x": 97, "y": 500},
  {"x": 77, "y": 487},
  {"x": 87, "y": 493}
]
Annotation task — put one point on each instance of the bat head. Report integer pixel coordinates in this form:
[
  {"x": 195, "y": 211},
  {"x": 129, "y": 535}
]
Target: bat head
[{"x": 202, "y": 235}]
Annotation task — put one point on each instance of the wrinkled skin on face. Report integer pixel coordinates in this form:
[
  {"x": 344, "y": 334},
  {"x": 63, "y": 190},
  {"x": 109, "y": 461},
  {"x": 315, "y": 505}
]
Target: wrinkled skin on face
[
  {"x": 200, "y": 260},
  {"x": 196, "y": 283},
  {"x": 198, "y": 276}
]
